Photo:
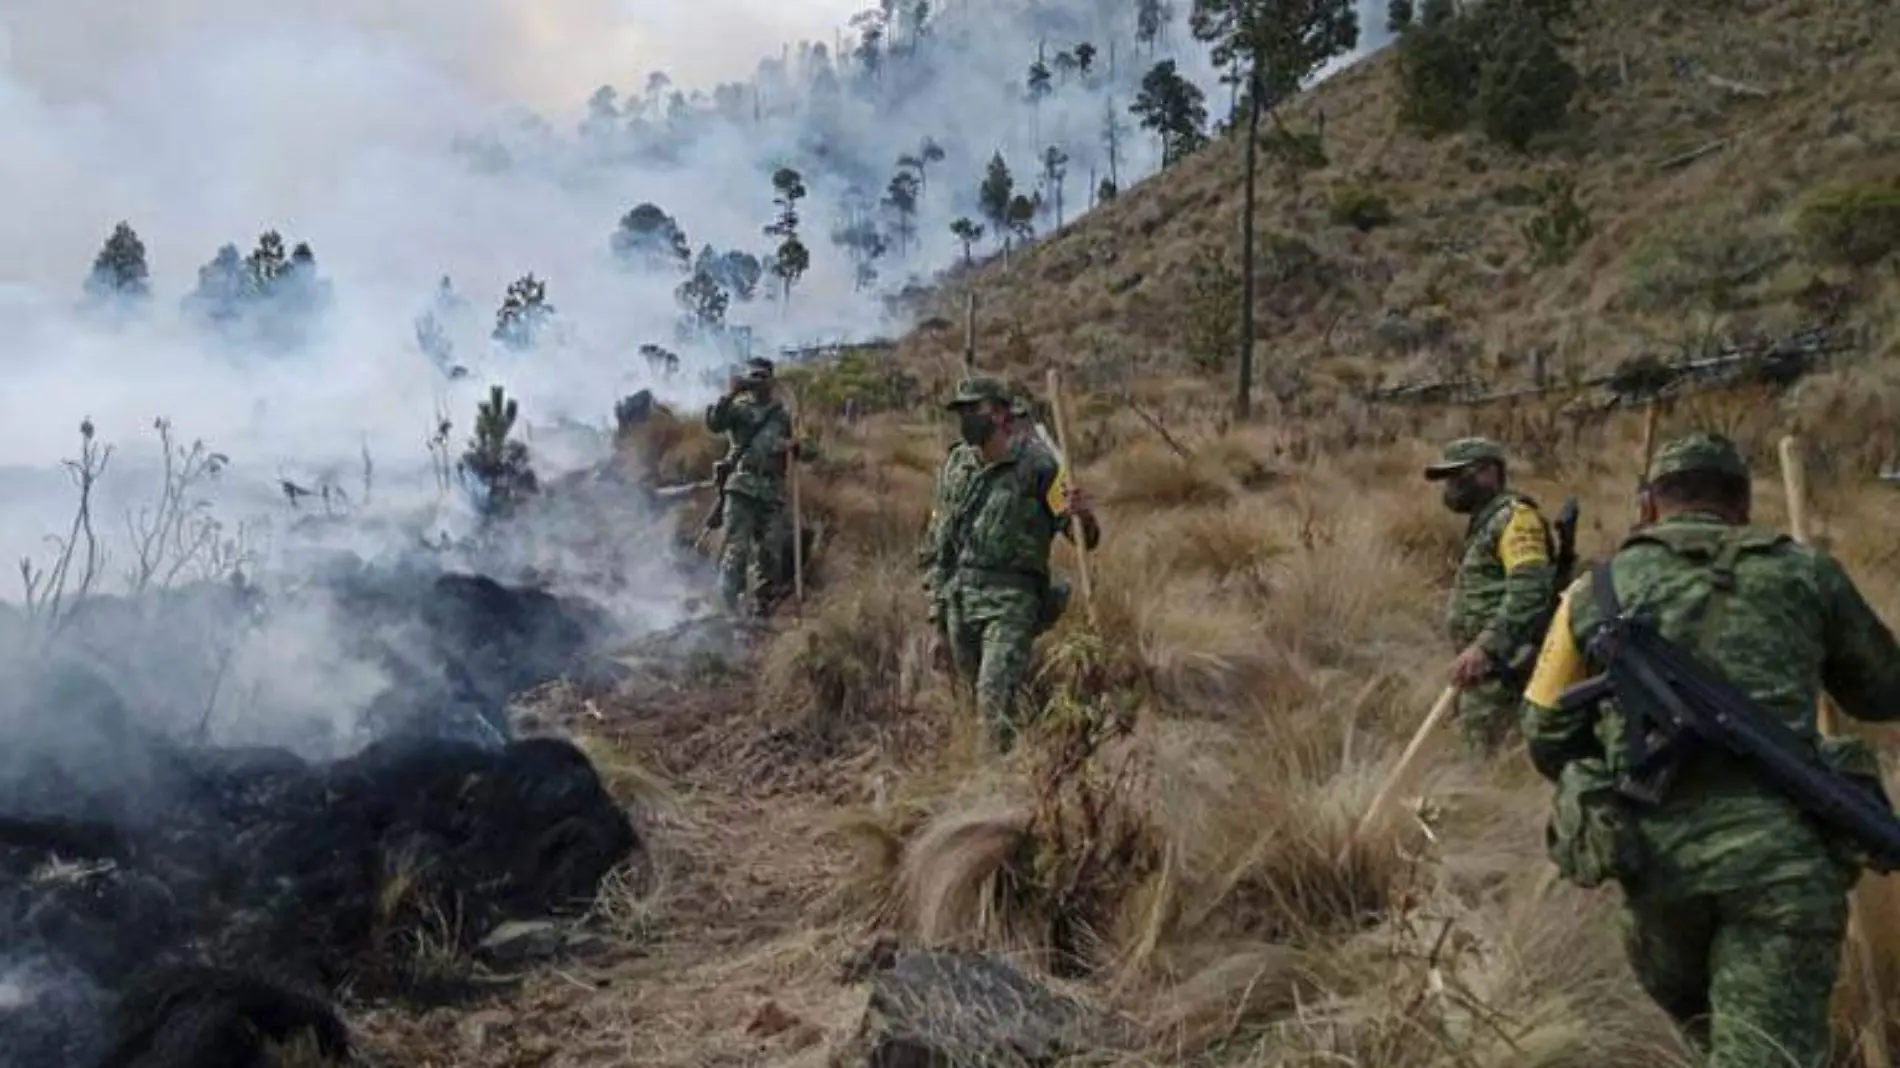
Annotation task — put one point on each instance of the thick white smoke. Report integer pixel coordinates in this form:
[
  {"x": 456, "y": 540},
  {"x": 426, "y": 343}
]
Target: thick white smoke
[{"x": 336, "y": 122}]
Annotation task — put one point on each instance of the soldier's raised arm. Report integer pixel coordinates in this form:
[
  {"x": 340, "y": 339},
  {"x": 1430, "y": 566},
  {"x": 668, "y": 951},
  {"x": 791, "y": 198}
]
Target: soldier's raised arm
[
  {"x": 1862, "y": 666},
  {"x": 719, "y": 414}
]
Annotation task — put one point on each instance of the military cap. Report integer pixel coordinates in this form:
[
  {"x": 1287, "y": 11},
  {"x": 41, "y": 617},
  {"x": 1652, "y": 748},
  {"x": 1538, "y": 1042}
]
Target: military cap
[
  {"x": 1699, "y": 452},
  {"x": 1461, "y": 454},
  {"x": 979, "y": 389},
  {"x": 758, "y": 368}
]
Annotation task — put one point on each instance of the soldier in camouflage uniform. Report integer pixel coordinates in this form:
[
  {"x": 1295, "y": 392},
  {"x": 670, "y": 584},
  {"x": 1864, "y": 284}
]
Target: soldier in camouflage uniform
[
  {"x": 998, "y": 509},
  {"x": 1022, "y": 429},
  {"x": 1503, "y": 591},
  {"x": 1735, "y": 903},
  {"x": 760, "y": 448}
]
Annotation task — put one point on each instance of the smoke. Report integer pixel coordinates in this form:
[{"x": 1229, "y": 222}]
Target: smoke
[{"x": 410, "y": 142}]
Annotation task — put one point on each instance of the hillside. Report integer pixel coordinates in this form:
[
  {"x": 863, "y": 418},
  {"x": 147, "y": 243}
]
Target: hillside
[
  {"x": 1783, "y": 98},
  {"x": 1175, "y": 843}
]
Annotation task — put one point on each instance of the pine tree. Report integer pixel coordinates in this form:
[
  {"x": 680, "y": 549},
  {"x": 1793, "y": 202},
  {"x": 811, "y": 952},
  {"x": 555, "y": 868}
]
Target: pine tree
[
  {"x": 704, "y": 302},
  {"x": 993, "y": 197},
  {"x": 1055, "y": 168},
  {"x": 968, "y": 231},
  {"x": 1275, "y": 46},
  {"x": 495, "y": 461},
  {"x": 120, "y": 271},
  {"x": 523, "y": 313},
  {"x": 1174, "y": 108},
  {"x": 900, "y": 199},
  {"x": 791, "y": 259},
  {"x": 648, "y": 237}
]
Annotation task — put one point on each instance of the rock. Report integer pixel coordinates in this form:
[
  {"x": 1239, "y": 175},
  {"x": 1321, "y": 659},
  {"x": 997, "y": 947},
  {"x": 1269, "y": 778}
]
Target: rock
[
  {"x": 520, "y": 941},
  {"x": 952, "y": 1009}
]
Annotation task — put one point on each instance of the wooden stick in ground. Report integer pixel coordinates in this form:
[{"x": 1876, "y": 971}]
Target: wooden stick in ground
[
  {"x": 1650, "y": 416},
  {"x": 1402, "y": 771},
  {"x": 1060, "y": 407},
  {"x": 1873, "y": 1037},
  {"x": 969, "y": 335},
  {"x": 792, "y": 461}
]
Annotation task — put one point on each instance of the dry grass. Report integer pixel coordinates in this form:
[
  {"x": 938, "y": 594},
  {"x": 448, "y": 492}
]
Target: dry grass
[
  {"x": 1274, "y": 647},
  {"x": 1178, "y": 831},
  {"x": 1452, "y": 277}
]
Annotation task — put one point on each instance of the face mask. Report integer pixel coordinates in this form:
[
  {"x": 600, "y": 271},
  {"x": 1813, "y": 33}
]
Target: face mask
[
  {"x": 1463, "y": 494},
  {"x": 976, "y": 428}
]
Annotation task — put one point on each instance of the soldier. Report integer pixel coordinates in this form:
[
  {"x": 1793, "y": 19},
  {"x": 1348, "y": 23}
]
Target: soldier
[
  {"x": 1735, "y": 902},
  {"x": 1503, "y": 592},
  {"x": 759, "y": 432},
  {"x": 1022, "y": 425},
  {"x": 998, "y": 510}
]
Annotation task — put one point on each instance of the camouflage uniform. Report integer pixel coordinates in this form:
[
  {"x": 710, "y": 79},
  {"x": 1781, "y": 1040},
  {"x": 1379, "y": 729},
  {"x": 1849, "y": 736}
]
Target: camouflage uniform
[
  {"x": 1735, "y": 903},
  {"x": 1501, "y": 595},
  {"x": 988, "y": 562},
  {"x": 757, "y": 526}
]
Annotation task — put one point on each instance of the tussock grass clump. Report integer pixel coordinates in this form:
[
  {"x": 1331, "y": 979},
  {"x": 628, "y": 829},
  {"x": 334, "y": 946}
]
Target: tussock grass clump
[
  {"x": 668, "y": 448},
  {"x": 1857, "y": 224},
  {"x": 1150, "y": 476},
  {"x": 862, "y": 655}
]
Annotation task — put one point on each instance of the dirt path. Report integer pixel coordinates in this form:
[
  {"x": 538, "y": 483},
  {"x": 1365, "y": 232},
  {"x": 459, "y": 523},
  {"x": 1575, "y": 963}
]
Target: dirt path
[{"x": 716, "y": 960}]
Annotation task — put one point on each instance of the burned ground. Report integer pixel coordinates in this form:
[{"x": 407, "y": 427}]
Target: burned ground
[{"x": 167, "y": 902}]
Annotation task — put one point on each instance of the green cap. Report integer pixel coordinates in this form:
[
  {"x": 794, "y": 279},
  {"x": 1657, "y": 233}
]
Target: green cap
[
  {"x": 1463, "y": 453},
  {"x": 981, "y": 388},
  {"x": 1699, "y": 452},
  {"x": 757, "y": 369}
]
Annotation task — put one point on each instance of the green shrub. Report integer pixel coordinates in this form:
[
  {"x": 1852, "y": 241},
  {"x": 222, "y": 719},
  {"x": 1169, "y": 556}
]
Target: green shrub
[
  {"x": 1498, "y": 63},
  {"x": 1561, "y": 224},
  {"x": 1855, "y": 225},
  {"x": 1525, "y": 85},
  {"x": 855, "y": 382},
  {"x": 1212, "y": 324},
  {"x": 1360, "y": 208}
]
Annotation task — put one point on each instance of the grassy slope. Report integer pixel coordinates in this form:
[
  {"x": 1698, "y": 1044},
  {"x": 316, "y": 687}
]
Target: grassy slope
[
  {"x": 1111, "y": 290},
  {"x": 1265, "y": 606}
]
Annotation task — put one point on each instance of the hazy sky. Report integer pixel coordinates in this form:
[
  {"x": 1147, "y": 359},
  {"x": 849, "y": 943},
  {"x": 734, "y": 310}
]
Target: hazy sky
[{"x": 548, "y": 54}]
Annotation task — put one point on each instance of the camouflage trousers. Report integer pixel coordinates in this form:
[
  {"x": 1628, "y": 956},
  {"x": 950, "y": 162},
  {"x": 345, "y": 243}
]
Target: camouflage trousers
[
  {"x": 1747, "y": 975},
  {"x": 992, "y": 633},
  {"x": 1487, "y": 713},
  {"x": 757, "y": 534}
]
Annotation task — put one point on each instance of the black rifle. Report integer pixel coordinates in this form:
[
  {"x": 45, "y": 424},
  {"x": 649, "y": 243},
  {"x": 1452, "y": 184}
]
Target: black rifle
[
  {"x": 1674, "y": 703},
  {"x": 1566, "y": 548}
]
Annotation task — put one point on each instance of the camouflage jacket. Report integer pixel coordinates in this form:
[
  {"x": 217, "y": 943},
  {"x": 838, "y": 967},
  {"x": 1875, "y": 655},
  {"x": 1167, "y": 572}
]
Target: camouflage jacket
[
  {"x": 1781, "y": 622},
  {"x": 1503, "y": 592},
  {"x": 758, "y": 470},
  {"x": 992, "y": 524}
]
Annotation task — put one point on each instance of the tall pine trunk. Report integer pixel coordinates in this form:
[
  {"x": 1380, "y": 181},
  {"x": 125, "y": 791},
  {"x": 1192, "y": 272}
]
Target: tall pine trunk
[{"x": 1243, "y": 389}]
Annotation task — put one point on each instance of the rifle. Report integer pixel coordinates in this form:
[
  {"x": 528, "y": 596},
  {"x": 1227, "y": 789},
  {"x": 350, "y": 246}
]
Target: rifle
[
  {"x": 1566, "y": 557},
  {"x": 1674, "y": 704}
]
